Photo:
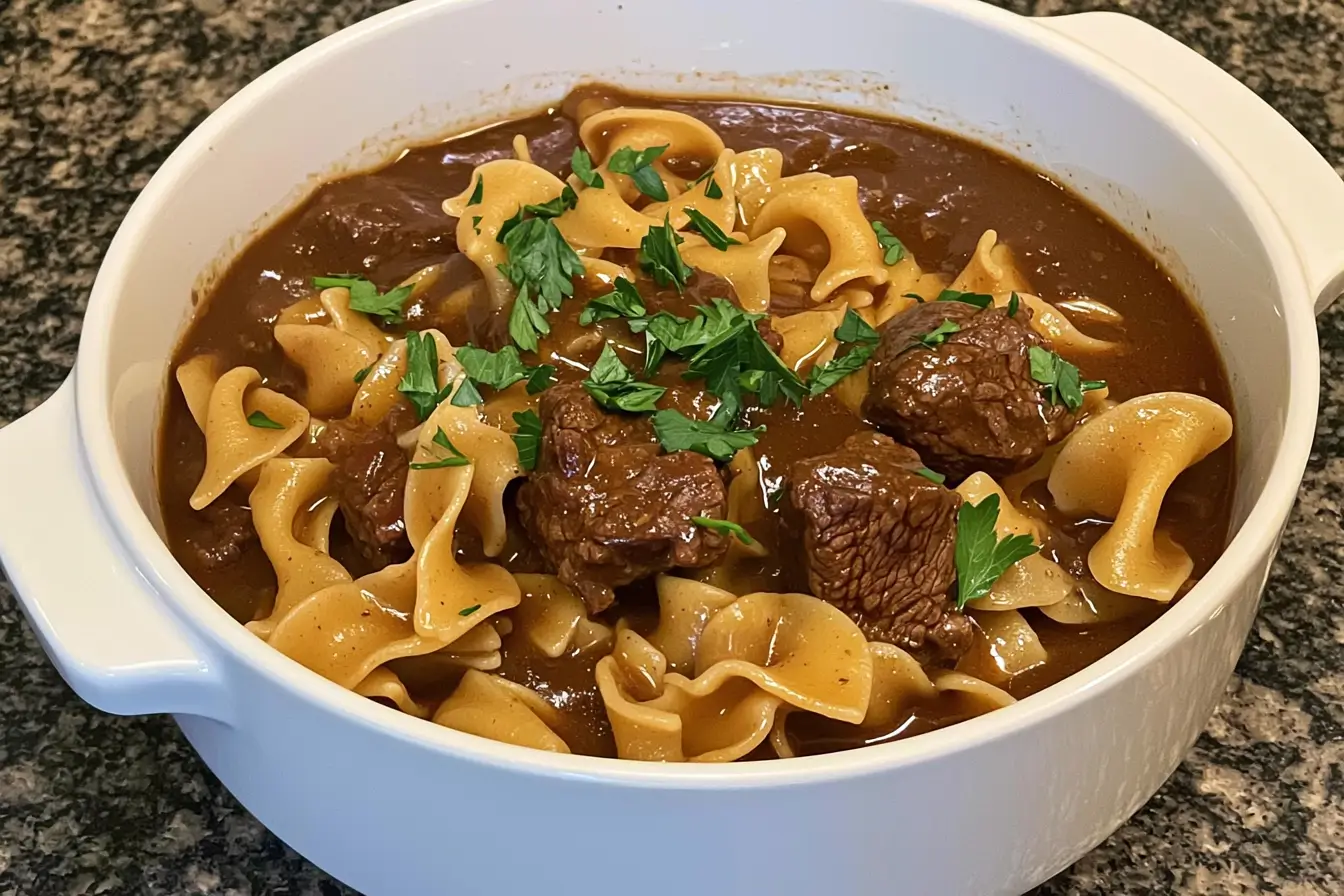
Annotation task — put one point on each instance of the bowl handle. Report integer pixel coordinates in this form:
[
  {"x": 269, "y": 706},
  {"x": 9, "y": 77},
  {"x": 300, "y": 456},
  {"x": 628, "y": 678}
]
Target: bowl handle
[
  {"x": 113, "y": 641},
  {"x": 1300, "y": 185}
]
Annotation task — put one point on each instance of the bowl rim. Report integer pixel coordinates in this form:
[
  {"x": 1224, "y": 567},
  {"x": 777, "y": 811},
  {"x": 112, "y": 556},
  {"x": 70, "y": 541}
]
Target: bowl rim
[{"x": 209, "y": 623}]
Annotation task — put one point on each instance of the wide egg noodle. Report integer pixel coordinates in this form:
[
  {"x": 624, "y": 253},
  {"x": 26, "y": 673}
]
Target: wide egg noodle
[
  {"x": 330, "y": 360},
  {"x": 286, "y": 494},
  {"x": 232, "y": 445},
  {"x": 1030, "y": 582},
  {"x": 684, "y": 609},
  {"x": 1120, "y": 465},
  {"x": 808, "y": 336},
  {"x": 383, "y": 684},
  {"x": 603, "y": 219},
  {"x": 1005, "y": 645},
  {"x": 752, "y": 169},
  {"x": 553, "y": 618},
  {"x": 825, "y": 212},
  {"x": 449, "y": 589},
  {"x": 501, "y": 710},
  {"x": 722, "y": 211},
  {"x": 686, "y": 138},
  {"x": 506, "y": 186},
  {"x": 746, "y": 265}
]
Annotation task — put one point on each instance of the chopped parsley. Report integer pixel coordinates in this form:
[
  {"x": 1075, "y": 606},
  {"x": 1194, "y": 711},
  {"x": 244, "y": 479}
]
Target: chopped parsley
[
  {"x": 539, "y": 378},
  {"x": 614, "y": 387},
  {"x": 476, "y": 224},
  {"x": 724, "y": 527},
  {"x": 709, "y": 230},
  {"x": 479, "y": 193},
  {"x": 365, "y": 298},
  {"x": 938, "y": 335},
  {"x": 934, "y": 477},
  {"x": 541, "y": 265},
  {"x": 582, "y": 163},
  {"x": 1061, "y": 380},
  {"x": 639, "y": 166},
  {"x": 528, "y": 438},
  {"x": 677, "y": 432},
  {"x": 420, "y": 384},
  {"x": 659, "y": 256},
  {"x": 498, "y": 370},
  {"x": 467, "y": 395},
  {"x": 893, "y": 250},
  {"x": 913, "y": 295},
  {"x": 982, "y": 556},
  {"x": 623, "y": 301},
  {"x": 361, "y": 374},
  {"x": 467, "y": 611},
  {"x": 978, "y": 299},
  {"x": 454, "y": 458},
  {"x": 261, "y": 421},
  {"x": 1014, "y": 301},
  {"x": 712, "y": 189},
  {"x": 855, "y": 331}
]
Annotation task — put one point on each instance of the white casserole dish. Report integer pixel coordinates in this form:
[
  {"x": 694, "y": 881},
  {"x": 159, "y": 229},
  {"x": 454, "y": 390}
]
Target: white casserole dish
[{"x": 1247, "y": 214}]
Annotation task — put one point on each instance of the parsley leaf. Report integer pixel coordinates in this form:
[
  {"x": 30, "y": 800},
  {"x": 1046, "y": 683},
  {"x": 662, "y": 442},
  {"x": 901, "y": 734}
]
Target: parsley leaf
[
  {"x": 913, "y": 295},
  {"x": 556, "y": 207},
  {"x": 937, "y": 478},
  {"x": 978, "y": 299},
  {"x": 853, "y": 330},
  {"x": 659, "y": 256},
  {"x": 709, "y": 230},
  {"x": 479, "y": 193},
  {"x": 540, "y": 263},
  {"x": 613, "y": 386},
  {"x": 893, "y": 250},
  {"x": 420, "y": 384},
  {"x": 467, "y": 611},
  {"x": 527, "y": 438},
  {"x": 738, "y": 360},
  {"x": 1014, "y": 301},
  {"x": 498, "y": 370},
  {"x": 539, "y": 378},
  {"x": 527, "y": 322},
  {"x": 982, "y": 556},
  {"x": 476, "y": 224},
  {"x": 712, "y": 189},
  {"x": 467, "y": 395},
  {"x": 1060, "y": 378},
  {"x": 623, "y": 301},
  {"x": 582, "y": 163},
  {"x": 938, "y": 335},
  {"x": 639, "y": 166},
  {"x": 677, "y": 432},
  {"x": 454, "y": 458},
  {"x": 361, "y": 374},
  {"x": 365, "y": 298},
  {"x": 724, "y": 527},
  {"x": 261, "y": 421}
]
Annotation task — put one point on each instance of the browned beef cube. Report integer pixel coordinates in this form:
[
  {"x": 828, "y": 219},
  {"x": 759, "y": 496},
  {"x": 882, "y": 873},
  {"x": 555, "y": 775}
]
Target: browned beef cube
[
  {"x": 607, "y": 508},
  {"x": 970, "y": 403},
  {"x": 880, "y": 541},
  {"x": 370, "y": 484}
]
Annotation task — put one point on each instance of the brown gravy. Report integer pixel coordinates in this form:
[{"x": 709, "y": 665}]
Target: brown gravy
[{"x": 939, "y": 193}]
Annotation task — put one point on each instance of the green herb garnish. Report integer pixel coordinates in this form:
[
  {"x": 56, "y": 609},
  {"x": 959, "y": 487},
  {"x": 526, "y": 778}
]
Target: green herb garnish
[
  {"x": 1013, "y": 302},
  {"x": 539, "y": 378},
  {"x": 556, "y": 207},
  {"x": 639, "y": 166},
  {"x": 913, "y": 295},
  {"x": 938, "y": 335},
  {"x": 479, "y": 193},
  {"x": 498, "y": 370},
  {"x": 709, "y": 230},
  {"x": 937, "y": 478},
  {"x": 454, "y": 458},
  {"x": 420, "y": 384},
  {"x": 582, "y": 163},
  {"x": 982, "y": 556},
  {"x": 659, "y": 256},
  {"x": 541, "y": 265},
  {"x": 613, "y": 386},
  {"x": 528, "y": 438},
  {"x": 476, "y": 224},
  {"x": 677, "y": 432},
  {"x": 712, "y": 190},
  {"x": 855, "y": 331},
  {"x": 361, "y": 374},
  {"x": 365, "y": 298},
  {"x": 467, "y": 611},
  {"x": 467, "y": 395},
  {"x": 623, "y": 301},
  {"x": 978, "y": 299},
  {"x": 1061, "y": 380},
  {"x": 261, "y": 421},
  {"x": 893, "y": 250},
  {"x": 724, "y": 527},
  {"x": 527, "y": 322}
]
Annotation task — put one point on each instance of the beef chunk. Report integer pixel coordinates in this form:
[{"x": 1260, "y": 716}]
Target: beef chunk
[
  {"x": 970, "y": 403},
  {"x": 606, "y": 508},
  {"x": 230, "y": 534},
  {"x": 880, "y": 541},
  {"x": 370, "y": 482}
]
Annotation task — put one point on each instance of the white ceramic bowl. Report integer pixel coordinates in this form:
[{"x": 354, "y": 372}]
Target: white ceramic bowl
[{"x": 1250, "y": 218}]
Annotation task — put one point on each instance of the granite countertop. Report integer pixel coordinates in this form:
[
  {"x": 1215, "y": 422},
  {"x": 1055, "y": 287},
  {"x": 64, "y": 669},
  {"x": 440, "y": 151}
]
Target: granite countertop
[{"x": 94, "y": 95}]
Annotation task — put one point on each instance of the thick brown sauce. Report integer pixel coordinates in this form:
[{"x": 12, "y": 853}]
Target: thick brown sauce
[{"x": 936, "y": 191}]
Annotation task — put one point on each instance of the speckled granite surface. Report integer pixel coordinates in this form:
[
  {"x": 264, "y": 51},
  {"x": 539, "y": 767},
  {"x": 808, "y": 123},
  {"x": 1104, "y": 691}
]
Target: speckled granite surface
[{"x": 94, "y": 95}]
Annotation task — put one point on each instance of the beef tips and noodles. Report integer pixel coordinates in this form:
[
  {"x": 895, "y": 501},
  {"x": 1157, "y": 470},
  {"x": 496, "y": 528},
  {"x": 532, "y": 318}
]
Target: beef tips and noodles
[{"x": 696, "y": 430}]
